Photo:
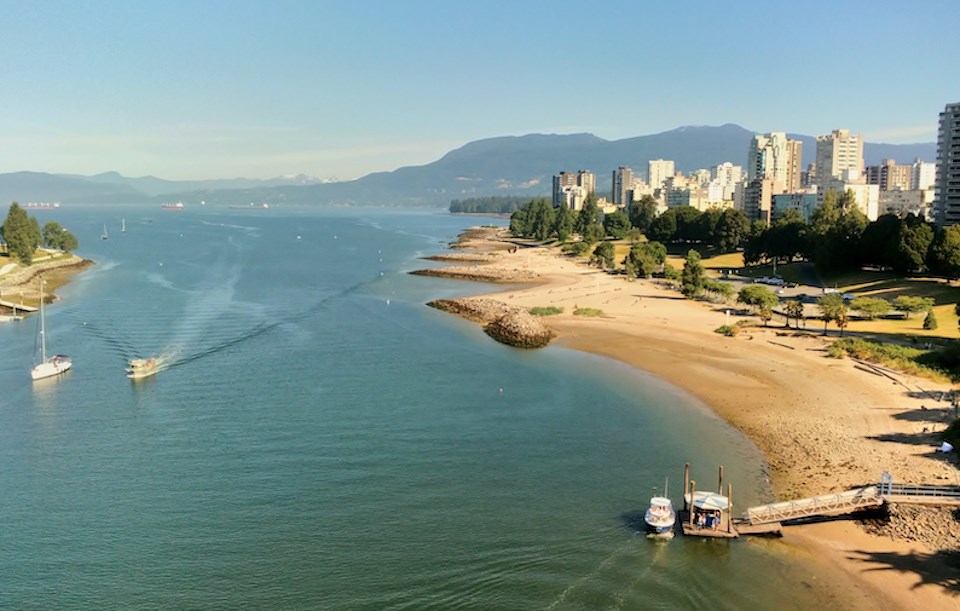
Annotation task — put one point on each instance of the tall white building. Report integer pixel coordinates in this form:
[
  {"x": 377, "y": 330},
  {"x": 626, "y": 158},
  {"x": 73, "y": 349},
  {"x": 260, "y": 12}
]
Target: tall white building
[
  {"x": 774, "y": 156},
  {"x": 658, "y": 171},
  {"x": 948, "y": 170},
  {"x": 923, "y": 175},
  {"x": 839, "y": 155}
]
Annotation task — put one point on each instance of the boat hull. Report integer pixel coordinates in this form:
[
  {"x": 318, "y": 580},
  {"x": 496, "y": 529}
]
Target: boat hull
[
  {"x": 51, "y": 367},
  {"x": 137, "y": 369}
]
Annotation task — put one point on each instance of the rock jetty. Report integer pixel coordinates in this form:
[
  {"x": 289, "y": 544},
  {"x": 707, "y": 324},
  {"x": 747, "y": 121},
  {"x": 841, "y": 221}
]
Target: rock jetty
[{"x": 507, "y": 324}]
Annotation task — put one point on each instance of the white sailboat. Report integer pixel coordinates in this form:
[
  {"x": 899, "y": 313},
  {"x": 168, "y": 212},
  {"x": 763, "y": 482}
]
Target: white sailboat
[
  {"x": 103, "y": 236},
  {"x": 123, "y": 225},
  {"x": 55, "y": 365}
]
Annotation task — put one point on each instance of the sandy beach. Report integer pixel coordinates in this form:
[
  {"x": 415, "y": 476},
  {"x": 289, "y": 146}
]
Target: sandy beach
[{"x": 824, "y": 425}]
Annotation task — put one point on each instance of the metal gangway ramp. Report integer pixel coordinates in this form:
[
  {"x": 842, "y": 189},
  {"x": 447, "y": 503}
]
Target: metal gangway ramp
[
  {"x": 917, "y": 494},
  {"x": 824, "y": 505},
  {"x": 853, "y": 500}
]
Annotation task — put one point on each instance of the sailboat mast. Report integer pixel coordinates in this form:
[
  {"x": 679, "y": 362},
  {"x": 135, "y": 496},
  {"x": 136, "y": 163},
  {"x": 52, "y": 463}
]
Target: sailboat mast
[{"x": 43, "y": 333}]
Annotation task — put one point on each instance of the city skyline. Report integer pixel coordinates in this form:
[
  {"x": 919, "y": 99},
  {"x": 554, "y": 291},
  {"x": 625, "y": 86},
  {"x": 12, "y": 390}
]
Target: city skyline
[{"x": 186, "y": 90}]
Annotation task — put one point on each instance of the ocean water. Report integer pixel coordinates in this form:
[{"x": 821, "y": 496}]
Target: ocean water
[{"x": 318, "y": 438}]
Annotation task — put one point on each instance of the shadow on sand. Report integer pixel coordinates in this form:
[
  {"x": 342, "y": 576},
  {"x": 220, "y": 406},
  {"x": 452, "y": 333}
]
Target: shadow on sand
[{"x": 940, "y": 568}]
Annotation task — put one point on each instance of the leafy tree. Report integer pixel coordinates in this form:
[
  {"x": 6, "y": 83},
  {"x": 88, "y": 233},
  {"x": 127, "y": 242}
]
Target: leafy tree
[
  {"x": 930, "y": 322},
  {"x": 945, "y": 252},
  {"x": 588, "y": 221},
  {"x": 663, "y": 229},
  {"x": 832, "y": 308},
  {"x": 878, "y": 239},
  {"x": 542, "y": 221},
  {"x": 642, "y": 212},
  {"x": 720, "y": 290},
  {"x": 563, "y": 225},
  {"x": 705, "y": 227},
  {"x": 617, "y": 224},
  {"x": 644, "y": 258},
  {"x": 671, "y": 274},
  {"x": 520, "y": 222},
  {"x": 913, "y": 245},
  {"x": 911, "y": 304},
  {"x": 21, "y": 233},
  {"x": 794, "y": 310},
  {"x": 68, "y": 243},
  {"x": 692, "y": 276},
  {"x": 52, "y": 234},
  {"x": 732, "y": 230},
  {"x": 688, "y": 228},
  {"x": 603, "y": 255},
  {"x": 871, "y": 307},
  {"x": 835, "y": 231},
  {"x": 786, "y": 238},
  {"x": 755, "y": 246},
  {"x": 761, "y": 298}
]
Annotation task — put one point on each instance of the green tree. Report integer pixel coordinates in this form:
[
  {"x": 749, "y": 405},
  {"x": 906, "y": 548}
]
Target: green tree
[
  {"x": 794, "y": 309},
  {"x": 68, "y": 243},
  {"x": 644, "y": 258},
  {"x": 21, "y": 234},
  {"x": 720, "y": 290},
  {"x": 663, "y": 229},
  {"x": 911, "y": 304},
  {"x": 732, "y": 230},
  {"x": 588, "y": 217},
  {"x": 603, "y": 255},
  {"x": 617, "y": 224},
  {"x": 671, "y": 274},
  {"x": 833, "y": 308},
  {"x": 762, "y": 299},
  {"x": 945, "y": 252},
  {"x": 871, "y": 307},
  {"x": 930, "y": 322},
  {"x": 563, "y": 226},
  {"x": 688, "y": 224},
  {"x": 692, "y": 277},
  {"x": 913, "y": 245},
  {"x": 541, "y": 219},
  {"x": 642, "y": 212},
  {"x": 835, "y": 231},
  {"x": 755, "y": 245},
  {"x": 520, "y": 222},
  {"x": 52, "y": 234},
  {"x": 706, "y": 225},
  {"x": 786, "y": 238}
]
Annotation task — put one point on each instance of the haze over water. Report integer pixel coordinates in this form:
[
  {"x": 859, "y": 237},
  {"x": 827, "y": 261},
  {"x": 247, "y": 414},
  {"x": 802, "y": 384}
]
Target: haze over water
[{"x": 319, "y": 439}]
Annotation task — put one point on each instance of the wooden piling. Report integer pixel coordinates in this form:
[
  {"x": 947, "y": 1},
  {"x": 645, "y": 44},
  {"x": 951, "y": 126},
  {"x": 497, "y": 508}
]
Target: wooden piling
[
  {"x": 693, "y": 485},
  {"x": 729, "y": 507},
  {"x": 686, "y": 484},
  {"x": 720, "y": 481}
]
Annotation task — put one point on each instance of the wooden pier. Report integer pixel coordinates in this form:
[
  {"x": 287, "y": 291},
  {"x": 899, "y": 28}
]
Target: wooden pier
[{"x": 769, "y": 519}]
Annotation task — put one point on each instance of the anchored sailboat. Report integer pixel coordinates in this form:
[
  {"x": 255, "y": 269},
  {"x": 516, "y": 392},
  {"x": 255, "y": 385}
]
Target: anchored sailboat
[
  {"x": 55, "y": 365},
  {"x": 103, "y": 236}
]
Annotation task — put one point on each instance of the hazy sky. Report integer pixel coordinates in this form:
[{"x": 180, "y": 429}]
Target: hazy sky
[{"x": 227, "y": 88}]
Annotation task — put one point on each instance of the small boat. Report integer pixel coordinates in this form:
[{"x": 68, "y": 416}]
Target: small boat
[
  {"x": 104, "y": 236},
  {"x": 174, "y": 206},
  {"x": 660, "y": 517},
  {"x": 141, "y": 368},
  {"x": 54, "y": 365},
  {"x": 123, "y": 225}
]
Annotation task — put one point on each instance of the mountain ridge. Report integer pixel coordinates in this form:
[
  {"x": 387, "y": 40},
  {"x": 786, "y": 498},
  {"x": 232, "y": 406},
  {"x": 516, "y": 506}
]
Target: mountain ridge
[{"x": 506, "y": 165}]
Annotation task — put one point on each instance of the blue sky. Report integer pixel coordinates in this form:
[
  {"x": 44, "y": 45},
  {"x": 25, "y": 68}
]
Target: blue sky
[{"x": 217, "y": 89}]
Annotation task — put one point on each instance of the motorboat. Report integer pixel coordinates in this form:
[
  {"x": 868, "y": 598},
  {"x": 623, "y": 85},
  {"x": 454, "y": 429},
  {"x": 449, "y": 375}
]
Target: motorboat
[{"x": 141, "y": 368}]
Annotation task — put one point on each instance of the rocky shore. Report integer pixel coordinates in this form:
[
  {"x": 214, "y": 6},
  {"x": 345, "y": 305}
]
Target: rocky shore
[
  {"x": 507, "y": 324},
  {"x": 56, "y": 272}
]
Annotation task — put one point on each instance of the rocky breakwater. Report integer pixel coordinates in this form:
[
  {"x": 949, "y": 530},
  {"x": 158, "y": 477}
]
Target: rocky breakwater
[{"x": 507, "y": 324}]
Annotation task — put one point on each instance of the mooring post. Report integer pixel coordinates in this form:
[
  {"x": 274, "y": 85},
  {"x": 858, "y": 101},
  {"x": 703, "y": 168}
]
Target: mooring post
[
  {"x": 693, "y": 485},
  {"x": 686, "y": 484},
  {"x": 720, "y": 481},
  {"x": 729, "y": 508}
]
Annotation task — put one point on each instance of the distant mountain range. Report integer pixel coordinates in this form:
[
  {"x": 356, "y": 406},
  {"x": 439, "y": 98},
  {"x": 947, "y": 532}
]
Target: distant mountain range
[{"x": 511, "y": 165}]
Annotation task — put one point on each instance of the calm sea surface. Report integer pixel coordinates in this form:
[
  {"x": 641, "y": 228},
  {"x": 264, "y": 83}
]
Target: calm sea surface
[{"x": 320, "y": 439}]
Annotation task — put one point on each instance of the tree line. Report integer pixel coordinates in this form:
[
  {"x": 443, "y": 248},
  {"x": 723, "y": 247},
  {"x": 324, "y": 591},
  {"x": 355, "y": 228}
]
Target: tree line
[
  {"x": 22, "y": 235},
  {"x": 496, "y": 204},
  {"x": 838, "y": 236}
]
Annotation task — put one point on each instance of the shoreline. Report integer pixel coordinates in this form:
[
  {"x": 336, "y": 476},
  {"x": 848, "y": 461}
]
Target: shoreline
[
  {"x": 57, "y": 273},
  {"x": 822, "y": 424}
]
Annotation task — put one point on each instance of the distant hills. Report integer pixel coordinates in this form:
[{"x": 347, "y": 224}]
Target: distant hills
[{"x": 511, "y": 165}]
